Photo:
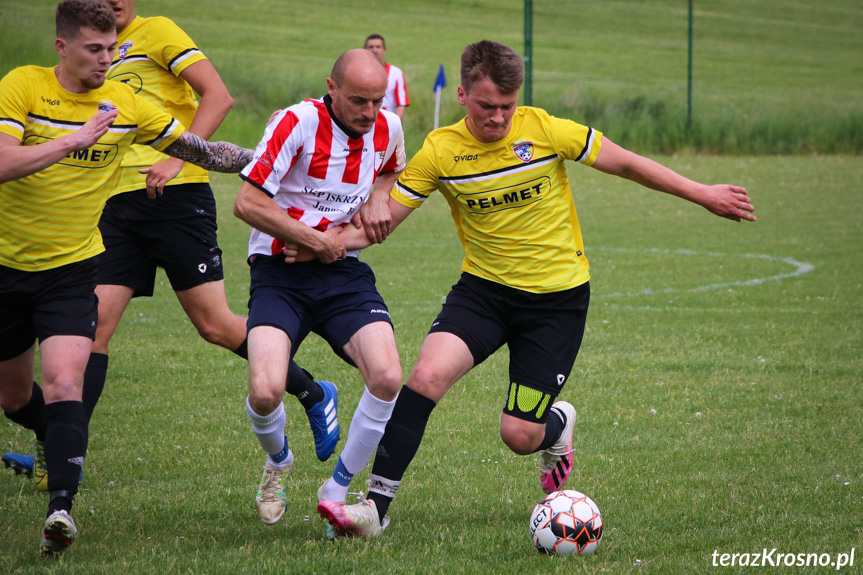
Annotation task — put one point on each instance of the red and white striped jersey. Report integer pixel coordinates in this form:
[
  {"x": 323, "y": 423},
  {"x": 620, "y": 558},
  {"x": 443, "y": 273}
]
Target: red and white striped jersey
[
  {"x": 397, "y": 89},
  {"x": 317, "y": 172}
]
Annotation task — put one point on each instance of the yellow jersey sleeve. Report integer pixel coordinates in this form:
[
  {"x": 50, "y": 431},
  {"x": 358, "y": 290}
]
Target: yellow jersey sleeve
[{"x": 15, "y": 92}]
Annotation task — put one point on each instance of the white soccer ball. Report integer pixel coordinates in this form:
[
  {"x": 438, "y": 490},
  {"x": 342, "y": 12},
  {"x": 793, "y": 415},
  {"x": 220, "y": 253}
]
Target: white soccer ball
[{"x": 566, "y": 522}]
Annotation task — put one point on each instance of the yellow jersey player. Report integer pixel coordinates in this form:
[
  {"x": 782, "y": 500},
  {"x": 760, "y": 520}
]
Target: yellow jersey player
[
  {"x": 167, "y": 218},
  {"x": 63, "y": 134},
  {"x": 524, "y": 281}
]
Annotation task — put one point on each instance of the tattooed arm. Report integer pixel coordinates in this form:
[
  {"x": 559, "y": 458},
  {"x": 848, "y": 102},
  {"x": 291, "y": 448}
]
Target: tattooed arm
[{"x": 214, "y": 156}]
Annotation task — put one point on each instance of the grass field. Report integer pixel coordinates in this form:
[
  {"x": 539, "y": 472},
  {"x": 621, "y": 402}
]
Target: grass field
[
  {"x": 773, "y": 76},
  {"x": 719, "y": 387}
]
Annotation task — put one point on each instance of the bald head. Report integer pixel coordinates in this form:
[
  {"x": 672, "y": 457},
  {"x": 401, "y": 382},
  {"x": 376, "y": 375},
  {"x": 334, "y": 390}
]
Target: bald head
[
  {"x": 357, "y": 86},
  {"x": 359, "y": 64}
]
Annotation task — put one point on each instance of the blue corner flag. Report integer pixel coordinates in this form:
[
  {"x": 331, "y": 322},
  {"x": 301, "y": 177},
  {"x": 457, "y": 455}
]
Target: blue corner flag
[
  {"x": 439, "y": 84},
  {"x": 440, "y": 81}
]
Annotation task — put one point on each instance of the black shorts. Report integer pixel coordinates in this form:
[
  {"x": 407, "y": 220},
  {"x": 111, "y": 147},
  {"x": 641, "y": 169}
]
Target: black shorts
[
  {"x": 332, "y": 300},
  {"x": 175, "y": 231},
  {"x": 61, "y": 301},
  {"x": 542, "y": 331}
]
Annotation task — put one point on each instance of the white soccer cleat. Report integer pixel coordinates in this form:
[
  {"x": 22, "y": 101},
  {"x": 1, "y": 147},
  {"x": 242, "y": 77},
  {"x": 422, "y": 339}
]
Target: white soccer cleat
[
  {"x": 60, "y": 532},
  {"x": 360, "y": 519},
  {"x": 332, "y": 532},
  {"x": 271, "y": 499},
  {"x": 556, "y": 462}
]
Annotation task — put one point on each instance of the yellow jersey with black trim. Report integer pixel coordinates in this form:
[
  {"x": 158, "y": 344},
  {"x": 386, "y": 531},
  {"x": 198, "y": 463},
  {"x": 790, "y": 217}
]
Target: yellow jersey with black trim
[
  {"x": 51, "y": 218},
  {"x": 151, "y": 54},
  {"x": 511, "y": 200}
]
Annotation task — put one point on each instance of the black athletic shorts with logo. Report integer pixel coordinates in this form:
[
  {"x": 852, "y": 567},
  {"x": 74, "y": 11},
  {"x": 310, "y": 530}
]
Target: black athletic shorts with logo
[
  {"x": 37, "y": 305},
  {"x": 332, "y": 300},
  {"x": 175, "y": 231},
  {"x": 542, "y": 331}
]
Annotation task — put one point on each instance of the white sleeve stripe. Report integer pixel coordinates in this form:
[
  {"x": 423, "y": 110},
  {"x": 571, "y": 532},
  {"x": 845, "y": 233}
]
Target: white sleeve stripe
[
  {"x": 166, "y": 133},
  {"x": 185, "y": 56},
  {"x": 588, "y": 147},
  {"x": 12, "y": 124}
]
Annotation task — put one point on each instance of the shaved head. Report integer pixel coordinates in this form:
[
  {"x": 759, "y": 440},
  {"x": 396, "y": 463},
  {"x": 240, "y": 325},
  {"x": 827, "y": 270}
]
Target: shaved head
[
  {"x": 357, "y": 87},
  {"x": 357, "y": 63}
]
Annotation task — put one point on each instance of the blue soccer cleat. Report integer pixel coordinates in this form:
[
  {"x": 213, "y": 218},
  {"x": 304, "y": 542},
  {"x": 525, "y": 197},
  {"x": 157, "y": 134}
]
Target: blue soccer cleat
[
  {"x": 324, "y": 421},
  {"x": 20, "y": 464},
  {"x": 33, "y": 466}
]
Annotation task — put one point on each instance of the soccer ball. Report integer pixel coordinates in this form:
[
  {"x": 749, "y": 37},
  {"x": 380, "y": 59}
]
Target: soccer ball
[{"x": 566, "y": 522}]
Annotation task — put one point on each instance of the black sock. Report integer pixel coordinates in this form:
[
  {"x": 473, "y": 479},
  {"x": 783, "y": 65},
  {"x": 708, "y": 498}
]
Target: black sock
[
  {"x": 65, "y": 447},
  {"x": 554, "y": 425},
  {"x": 302, "y": 385},
  {"x": 32, "y": 415},
  {"x": 243, "y": 350},
  {"x": 94, "y": 381},
  {"x": 401, "y": 440}
]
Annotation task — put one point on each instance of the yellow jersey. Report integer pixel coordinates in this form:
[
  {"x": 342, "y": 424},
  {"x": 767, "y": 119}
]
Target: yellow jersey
[
  {"x": 511, "y": 199},
  {"x": 51, "y": 218},
  {"x": 151, "y": 54}
]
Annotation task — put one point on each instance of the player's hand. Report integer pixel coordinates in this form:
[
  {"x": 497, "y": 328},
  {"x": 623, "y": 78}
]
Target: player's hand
[
  {"x": 159, "y": 174},
  {"x": 93, "y": 129},
  {"x": 376, "y": 219},
  {"x": 295, "y": 254},
  {"x": 730, "y": 202},
  {"x": 273, "y": 117},
  {"x": 331, "y": 247}
]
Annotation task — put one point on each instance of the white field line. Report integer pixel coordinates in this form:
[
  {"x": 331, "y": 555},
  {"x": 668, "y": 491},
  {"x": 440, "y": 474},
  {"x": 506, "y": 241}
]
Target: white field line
[{"x": 799, "y": 268}]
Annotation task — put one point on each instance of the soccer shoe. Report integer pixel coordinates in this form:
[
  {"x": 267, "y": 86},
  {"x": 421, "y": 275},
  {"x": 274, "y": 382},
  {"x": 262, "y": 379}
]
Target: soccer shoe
[
  {"x": 332, "y": 532},
  {"x": 20, "y": 464},
  {"x": 359, "y": 520},
  {"x": 40, "y": 468},
  {"x": 271, "y": 499},
  {"x": 324, "y": 421},
  {"x": 59, "y": 533},
  {"x": 33, "y": 466},
  {"x": 556, "y": 462}
]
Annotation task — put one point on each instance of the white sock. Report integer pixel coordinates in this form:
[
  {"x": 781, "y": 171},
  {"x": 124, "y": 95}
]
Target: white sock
[
  {"x": 367, "y": 427},
  {"x": 270, "y": 429}
]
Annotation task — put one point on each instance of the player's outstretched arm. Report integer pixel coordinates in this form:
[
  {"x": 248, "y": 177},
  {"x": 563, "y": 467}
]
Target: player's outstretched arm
[
  {"x": 726, "y": 201},
  {"x": 17, "y": 161},
  {"x": 215, "y": 99},
  {"x": 214, "y": 104},
  {"x": 375, "y": 213},
  {"x": 214, "y": 156}
]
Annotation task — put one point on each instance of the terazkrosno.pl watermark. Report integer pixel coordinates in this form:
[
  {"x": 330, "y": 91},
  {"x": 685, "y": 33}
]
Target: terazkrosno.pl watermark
[{"x": 773, "y": 558}]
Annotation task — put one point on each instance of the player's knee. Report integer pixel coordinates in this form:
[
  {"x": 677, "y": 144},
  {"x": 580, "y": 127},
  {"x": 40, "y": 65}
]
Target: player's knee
[
  {"x": 210, "y": 332},
  {"x": 428, "y": 380},
  {"x": 521, "y": 439},
  {"x": 14, "y": 398},
  {"x": 265, "y": 399},
  {"x": 64, "y": 387},
  {"x": 385, "y": 383}
]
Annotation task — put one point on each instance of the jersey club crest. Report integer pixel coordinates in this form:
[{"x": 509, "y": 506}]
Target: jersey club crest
[
  {"x": 123, "y": 49},
  {"x": 106, "y": 107},
  {"x": 524, "y": 151}
]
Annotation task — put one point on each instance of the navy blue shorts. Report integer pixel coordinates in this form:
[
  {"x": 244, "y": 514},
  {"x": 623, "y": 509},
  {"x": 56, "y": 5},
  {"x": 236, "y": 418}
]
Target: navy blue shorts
[
  {"x": 332, "y": 300},
  {"x": 175, "y": 231},
  {"x": 61, "y": 301},
  {"x": 542, "y": 331}
]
